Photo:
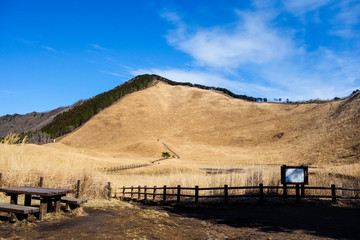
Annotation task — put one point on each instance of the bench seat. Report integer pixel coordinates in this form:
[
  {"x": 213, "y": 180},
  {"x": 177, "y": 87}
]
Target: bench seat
[
  {"x": 72, "y": 202},
  {"x": 18, "y": 212},
  {"x": 19, "y": 209}
]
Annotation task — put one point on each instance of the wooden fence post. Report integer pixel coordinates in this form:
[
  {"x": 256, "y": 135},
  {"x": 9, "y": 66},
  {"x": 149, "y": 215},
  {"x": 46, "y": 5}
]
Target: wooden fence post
[
  {"x": 297, "y": 193},
  {"x": 131, "y": 192},
  {"x": 109, "y": 190},
  {"x": 226, "y": 194},
  {"x": 145, "y": 193},
  {"x": 164, "y": 193},
  {"x": 139, "y": 190},
  {"x": 178, "y": 194},
  {"x": 303, "y": 190},
  {"x": 196, "y": 194},
  {"x": 261, "y": 188},
  {"x": 123, "y": 192},
  {"x": 284, "y": 190},
  {"x": 333, "y": 193},
  {"x": 0, "y": 179},
  {"x": 41, "y": 183},
  {"x": 78, "y": 189},
  {"x": 154, "y": 193}
]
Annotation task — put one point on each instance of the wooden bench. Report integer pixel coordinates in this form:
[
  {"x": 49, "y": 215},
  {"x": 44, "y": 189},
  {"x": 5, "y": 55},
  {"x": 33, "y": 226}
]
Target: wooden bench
[
  {"x": 71, "y": 202},
  {"x": 18, "y": 211}
]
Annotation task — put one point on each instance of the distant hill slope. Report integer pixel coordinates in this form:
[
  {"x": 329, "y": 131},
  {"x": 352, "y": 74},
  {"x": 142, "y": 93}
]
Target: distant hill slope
[
  {"x": 30, "y": 122},
  {"x": 64, "y": 120},
  {"x": 68, "y": 121},
  {"x": 203, "y": 125}
]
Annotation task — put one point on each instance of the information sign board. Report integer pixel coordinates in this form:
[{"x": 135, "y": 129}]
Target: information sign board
[{"x": 294, "y": 174}]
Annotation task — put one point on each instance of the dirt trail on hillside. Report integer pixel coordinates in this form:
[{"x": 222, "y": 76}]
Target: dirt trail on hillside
[{"x": 137, "y": 221}]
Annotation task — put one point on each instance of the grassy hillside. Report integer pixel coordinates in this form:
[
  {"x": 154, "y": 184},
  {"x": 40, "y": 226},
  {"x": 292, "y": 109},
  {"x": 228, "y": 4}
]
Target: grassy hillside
[
  {"x": 203, "y": 125},
  {"x": 68, "y": 121}
]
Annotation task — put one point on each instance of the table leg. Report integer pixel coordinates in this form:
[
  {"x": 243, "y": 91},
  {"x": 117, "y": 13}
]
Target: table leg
[
  {"x": 49, "y": 205},
  {"x": 43, "y": 208},
  {"x": 14, "y": 198},
  {"x": 57, "y": 204},
  {"x": 27, "y": 200}
]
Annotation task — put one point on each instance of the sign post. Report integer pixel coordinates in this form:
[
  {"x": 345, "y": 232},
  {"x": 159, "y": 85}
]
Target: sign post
[{"x": 297, "y": 175}]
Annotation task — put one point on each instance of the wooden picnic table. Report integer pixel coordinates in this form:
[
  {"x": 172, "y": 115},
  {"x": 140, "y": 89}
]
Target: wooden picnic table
[{"x": 47, "y": 197}]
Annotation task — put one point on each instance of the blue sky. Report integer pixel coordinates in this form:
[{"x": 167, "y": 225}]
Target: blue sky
[{"x": 53, "y": 53}]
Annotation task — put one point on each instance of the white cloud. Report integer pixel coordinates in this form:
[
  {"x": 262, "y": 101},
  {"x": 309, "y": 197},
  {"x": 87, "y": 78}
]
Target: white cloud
[
  {"x": 252, "y": 40},
  {"x": 26, "y": 42},
  {"x": 49, "y": 48},
  {"x": 113, "y": 74},
  {"x": 346, "y": 20},
  {"x": 299, "y": 7},
  {"x": 97, "y": 46}
]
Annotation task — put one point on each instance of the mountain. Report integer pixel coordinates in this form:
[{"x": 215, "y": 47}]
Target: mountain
[
  {"x": 68, "y": 121},
  {"x": 30, "y": 122},
  {"x": 43, "y": 126},
  {"x": 207, "y": 125}
]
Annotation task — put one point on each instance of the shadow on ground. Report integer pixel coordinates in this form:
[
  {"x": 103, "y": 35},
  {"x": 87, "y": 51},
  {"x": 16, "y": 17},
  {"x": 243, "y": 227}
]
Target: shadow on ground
[
  {"x": 122, "y": 220},
  {"x": 316, "y": 219}
]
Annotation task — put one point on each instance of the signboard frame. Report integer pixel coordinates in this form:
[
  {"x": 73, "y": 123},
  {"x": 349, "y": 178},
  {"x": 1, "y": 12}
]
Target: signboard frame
[{"x": 284, "y": 168}]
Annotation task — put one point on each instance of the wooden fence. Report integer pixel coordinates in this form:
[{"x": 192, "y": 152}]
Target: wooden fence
[
  {"x": 225, "y": 193},
  {"x": 124, "y": 167},
  {"x": 130, "y": 166}
]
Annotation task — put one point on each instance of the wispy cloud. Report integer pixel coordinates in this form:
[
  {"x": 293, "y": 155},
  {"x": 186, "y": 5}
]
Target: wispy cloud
[
  {"x": 26, "y": 42},
  {"x": 36, "y": 44},
  {"x": 7, "y": 92},
  {"x": 51, "y": 49},
  {"x": 250, "y": 41},
  {"x": 97, "y": 46},
  {"x": 113, "y": 74},
  {"x": 346, "y": 22},
  {"x": 299, "y": 7}
]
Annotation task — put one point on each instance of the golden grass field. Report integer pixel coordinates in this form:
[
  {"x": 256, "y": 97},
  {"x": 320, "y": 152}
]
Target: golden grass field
[{"x": 206, "y": 129}]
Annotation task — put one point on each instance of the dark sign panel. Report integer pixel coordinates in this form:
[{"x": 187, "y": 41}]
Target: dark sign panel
[{"x": 294, "y": 175}]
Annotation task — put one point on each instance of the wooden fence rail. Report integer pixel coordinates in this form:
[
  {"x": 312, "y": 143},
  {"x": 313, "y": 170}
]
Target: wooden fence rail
[
  {"x": 226, "y": 192},
  {"x": 124, "y": 167}
]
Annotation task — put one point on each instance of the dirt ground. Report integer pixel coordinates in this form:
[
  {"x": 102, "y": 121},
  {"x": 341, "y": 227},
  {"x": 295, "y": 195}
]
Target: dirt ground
[{"x": 124, "y": 220}]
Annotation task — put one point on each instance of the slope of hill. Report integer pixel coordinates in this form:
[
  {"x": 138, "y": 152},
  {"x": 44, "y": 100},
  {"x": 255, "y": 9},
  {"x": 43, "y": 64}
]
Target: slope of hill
[
  {"x": 28, "y": 122},
  {"x": 203, "y": 125},
  {"x": 70, "y": 120}
]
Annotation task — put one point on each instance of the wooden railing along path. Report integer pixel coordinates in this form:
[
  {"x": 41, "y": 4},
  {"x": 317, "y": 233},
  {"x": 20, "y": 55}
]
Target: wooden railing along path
[
  {"x": 124, "y": 167},
  {"x": 132, "y": 166},
  {"x": 225, "y": 193}
]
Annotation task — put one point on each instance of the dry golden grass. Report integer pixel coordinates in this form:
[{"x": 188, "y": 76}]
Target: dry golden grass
[
  {"x": 26, "y": 163},
  {"x": 207, "y": 130}
]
